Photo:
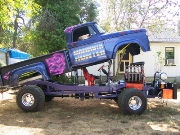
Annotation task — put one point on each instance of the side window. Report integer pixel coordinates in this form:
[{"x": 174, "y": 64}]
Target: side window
[
  {"x": 83, "y": 33},
  {"x": 91, "y": 31},
  {"x": 169, "y": 56},
  {"x": 80, "y": 32}
]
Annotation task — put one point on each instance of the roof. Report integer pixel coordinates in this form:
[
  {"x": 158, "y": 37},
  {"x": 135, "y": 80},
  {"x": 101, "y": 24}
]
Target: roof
[
  {"x": 14, "y": 53},
  {"x": 71, "y": 28},
  {"x": 167, "y": 35}
]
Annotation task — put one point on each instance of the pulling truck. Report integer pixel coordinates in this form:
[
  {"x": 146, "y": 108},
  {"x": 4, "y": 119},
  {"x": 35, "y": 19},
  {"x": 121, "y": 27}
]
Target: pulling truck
[{"x": 32, "y": 78}]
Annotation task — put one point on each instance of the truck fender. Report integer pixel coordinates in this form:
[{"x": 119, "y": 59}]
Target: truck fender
[
  {"x": 133, "y": 43},
  {"x": 136, "y": 47},
  {"x": 38, "y": 67}
]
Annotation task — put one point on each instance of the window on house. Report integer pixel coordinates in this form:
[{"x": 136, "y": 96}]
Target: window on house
[{"x": 169, "y": 56}]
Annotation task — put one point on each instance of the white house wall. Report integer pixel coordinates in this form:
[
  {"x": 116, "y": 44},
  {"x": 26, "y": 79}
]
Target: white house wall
[
  {"x": 151, "y": 62},
  {"x": 13, "y": 60}
]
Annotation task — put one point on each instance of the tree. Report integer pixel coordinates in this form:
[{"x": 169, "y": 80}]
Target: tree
[
  {"x": 129, "y": 14},
  {"x": 88, "y": 11},
  {"x": 14, "y": 14},
  {"x": 56, "y": 15},
  {"x": 6, "y": 13},
  {"x": 16, "y": 25},
  {"x": 37, "y": 26},
  {"x": 54, "y": 18}
]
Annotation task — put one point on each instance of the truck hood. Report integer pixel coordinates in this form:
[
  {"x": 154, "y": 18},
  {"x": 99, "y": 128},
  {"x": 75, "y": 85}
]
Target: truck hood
[{"x": 136, "y": 38}]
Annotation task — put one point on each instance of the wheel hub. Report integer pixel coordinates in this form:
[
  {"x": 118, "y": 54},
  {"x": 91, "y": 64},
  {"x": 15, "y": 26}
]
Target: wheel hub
[
  {"x": 135, "y": 103},
  {"x": 28, "y": 99}
]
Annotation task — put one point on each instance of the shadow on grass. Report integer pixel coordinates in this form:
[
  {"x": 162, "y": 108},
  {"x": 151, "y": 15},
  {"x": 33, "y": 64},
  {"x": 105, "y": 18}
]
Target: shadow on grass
[{"x": 106, "y": 108}]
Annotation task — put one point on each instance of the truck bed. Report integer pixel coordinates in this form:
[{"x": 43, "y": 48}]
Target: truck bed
[{"x": 46, "y": 59}]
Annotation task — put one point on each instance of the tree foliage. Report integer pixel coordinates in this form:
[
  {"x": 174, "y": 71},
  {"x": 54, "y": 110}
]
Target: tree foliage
[
  {"x": 88, "y": 11},
  {"x": 13, "y": 21},
  {"x": 55, "y": 17},
  {"x": 128, "y": 14},
  {"x": 37, "y": 26}
]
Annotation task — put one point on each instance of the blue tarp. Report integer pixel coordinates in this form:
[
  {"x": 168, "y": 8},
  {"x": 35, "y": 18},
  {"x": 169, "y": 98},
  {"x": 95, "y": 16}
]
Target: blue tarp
[
  {"x": 16, "y": 54},
  {"x": 3, "y": 50}
]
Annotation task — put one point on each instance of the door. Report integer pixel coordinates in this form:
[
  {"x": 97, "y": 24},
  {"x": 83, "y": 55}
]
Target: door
[
  {"x": 127, "y": 59},
  {"x": 86, "y": 50}
]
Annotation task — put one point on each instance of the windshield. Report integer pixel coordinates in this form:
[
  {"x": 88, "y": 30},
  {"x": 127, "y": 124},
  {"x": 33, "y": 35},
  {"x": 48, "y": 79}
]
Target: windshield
[{"x": 99, "y": 28}]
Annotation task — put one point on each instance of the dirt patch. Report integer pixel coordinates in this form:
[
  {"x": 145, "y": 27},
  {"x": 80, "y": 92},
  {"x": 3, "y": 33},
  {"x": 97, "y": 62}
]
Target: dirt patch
[{"x": 69, "y": 116}]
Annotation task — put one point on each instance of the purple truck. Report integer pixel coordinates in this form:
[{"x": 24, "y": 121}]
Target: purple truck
[{"x": 87, "y": 45}]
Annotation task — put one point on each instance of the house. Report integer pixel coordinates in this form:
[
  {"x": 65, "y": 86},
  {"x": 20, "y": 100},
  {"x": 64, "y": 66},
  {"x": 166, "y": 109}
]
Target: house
[
  {"x": 10, "y": 56},
  {"x": 164, "y": 55}
]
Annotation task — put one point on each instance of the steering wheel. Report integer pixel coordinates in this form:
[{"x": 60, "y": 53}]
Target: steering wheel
[{"x": 101, "y": 67}]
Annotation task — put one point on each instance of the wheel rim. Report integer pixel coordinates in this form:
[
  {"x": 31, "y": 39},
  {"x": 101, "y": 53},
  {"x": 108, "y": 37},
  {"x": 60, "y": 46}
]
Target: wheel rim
[
  {"x": 28, "y": 99},
  {"x": 135, "y": 103}
]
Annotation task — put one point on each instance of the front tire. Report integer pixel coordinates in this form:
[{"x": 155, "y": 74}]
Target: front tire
[
  {"x": 30, "y": 98},
  {"x": 132, "y": 101}
]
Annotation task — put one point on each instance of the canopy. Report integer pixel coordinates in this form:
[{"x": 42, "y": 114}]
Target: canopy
[{"x": 16, "y": 54}]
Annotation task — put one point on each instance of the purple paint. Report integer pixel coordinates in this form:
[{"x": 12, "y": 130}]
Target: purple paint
[
  {"x": 56, "y": 63},
  {"x": 6, "y": 76},
  {"x": 70, "y": 29}
]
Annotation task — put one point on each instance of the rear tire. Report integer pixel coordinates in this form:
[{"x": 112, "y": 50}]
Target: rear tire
[
  {"x": 132, "y": 101},
  {"x": 30, "y": 98}
]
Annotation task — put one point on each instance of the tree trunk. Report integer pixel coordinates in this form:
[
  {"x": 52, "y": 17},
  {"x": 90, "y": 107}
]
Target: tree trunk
[{"x": 15, "y": 32}]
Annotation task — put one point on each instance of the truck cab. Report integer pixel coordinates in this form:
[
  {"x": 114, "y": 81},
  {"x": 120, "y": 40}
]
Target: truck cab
[{"x": 89, "y": 44}]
